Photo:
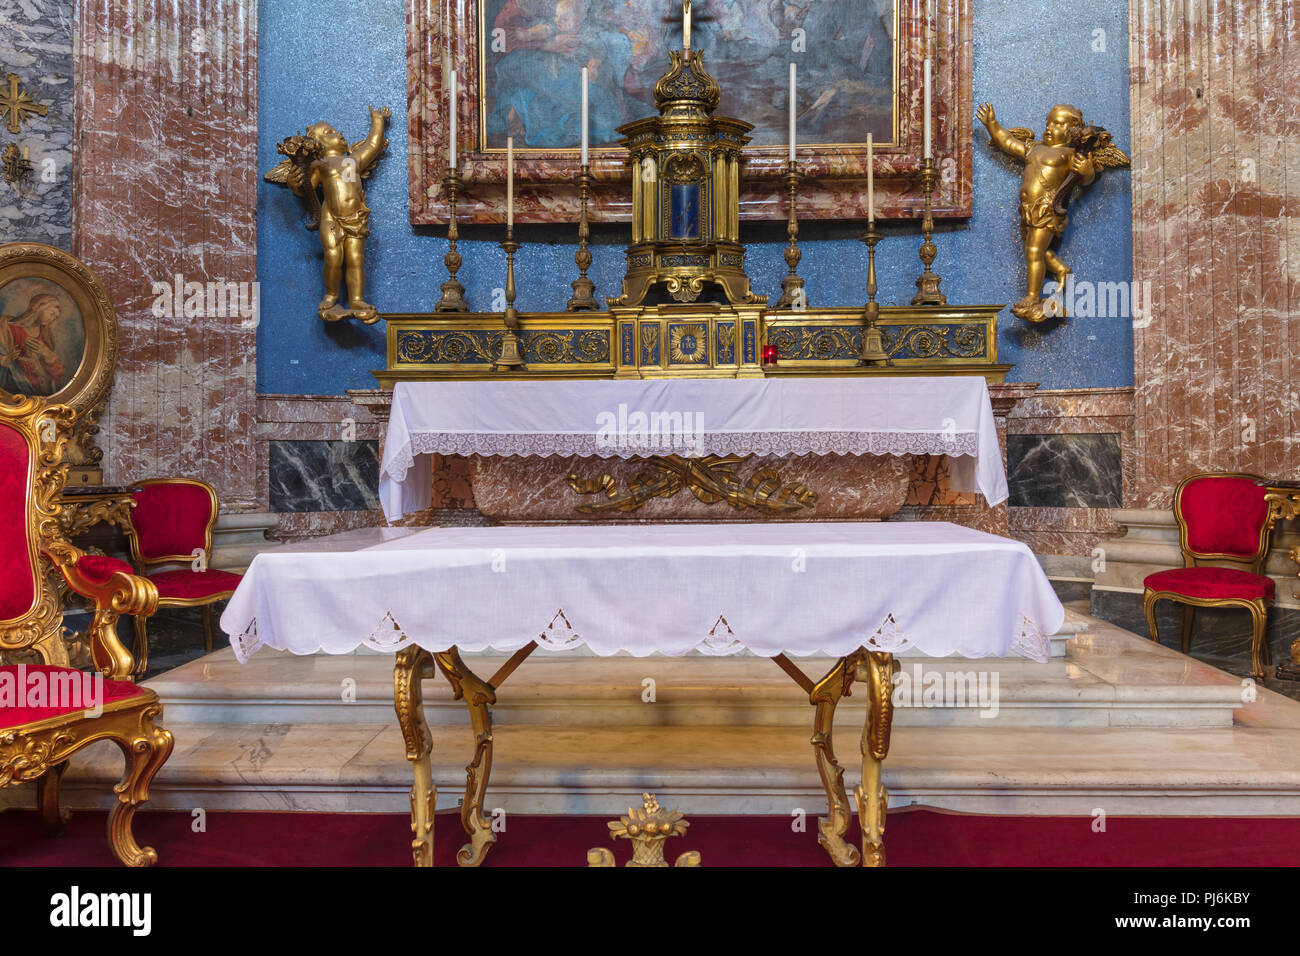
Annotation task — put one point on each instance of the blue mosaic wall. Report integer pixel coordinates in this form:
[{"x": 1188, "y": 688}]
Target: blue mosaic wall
[{"x": 1029, "y": 55}]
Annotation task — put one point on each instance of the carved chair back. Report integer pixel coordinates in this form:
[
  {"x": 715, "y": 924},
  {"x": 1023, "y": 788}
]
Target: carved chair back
[
  {"x": 32, "y": 472},
  {"x": 172, "y": 518},
  {"x": 1223, "y": 517}
]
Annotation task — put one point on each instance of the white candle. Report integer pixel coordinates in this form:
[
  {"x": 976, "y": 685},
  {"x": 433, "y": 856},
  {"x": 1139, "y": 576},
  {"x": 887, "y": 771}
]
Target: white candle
[
  {"x": 928, "y": 154},
  {"x": 686, "y": 26},
  {"x": 792, "y": 110},
  {"x": 452, "y": 110},
  {"x": 584, "y": 116},
  {"x": 871, "y": 180},
  {"x": 510, "y": 183}
]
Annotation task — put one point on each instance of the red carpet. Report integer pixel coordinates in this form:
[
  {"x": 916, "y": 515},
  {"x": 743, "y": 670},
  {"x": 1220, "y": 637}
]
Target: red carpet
[{"x": 913, "y": 838}]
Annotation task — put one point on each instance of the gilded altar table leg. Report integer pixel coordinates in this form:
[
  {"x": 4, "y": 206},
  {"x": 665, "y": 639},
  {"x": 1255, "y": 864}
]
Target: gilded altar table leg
[
  {"x": 825, "y": 695},
  {"x": 477, "y": 694},
  {"x": 414, "y": 664},
  {"x": 876, "y": 670}
]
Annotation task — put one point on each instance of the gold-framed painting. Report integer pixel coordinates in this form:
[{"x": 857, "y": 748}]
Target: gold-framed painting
[
  {"x": 518, "y": 63},
  {"x": 58, "y": 335}
]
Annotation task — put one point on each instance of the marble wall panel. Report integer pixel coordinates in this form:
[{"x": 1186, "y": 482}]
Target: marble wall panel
[
  {"x": 1054, "y": 525},
  {"x": 323, "y": 475},
  {"x": 1216, "y": 231},
  {"x": 166, "y": 104},
  {"x": 294, "y": 438},
  {"x": 36, "y": 44},
  {"x": 1064, "y": 471}
]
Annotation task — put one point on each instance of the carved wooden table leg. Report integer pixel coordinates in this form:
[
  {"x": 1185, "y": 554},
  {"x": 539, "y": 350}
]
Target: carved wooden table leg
[
  {"x": 477, "y": 694},
  {"x": 415, "y": 664},
  {"x": 876, "y": 670},
  {"x": 824, "y": 695}
]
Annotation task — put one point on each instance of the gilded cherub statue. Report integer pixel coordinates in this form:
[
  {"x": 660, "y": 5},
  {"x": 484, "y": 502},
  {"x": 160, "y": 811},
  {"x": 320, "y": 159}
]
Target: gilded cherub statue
[
  {"x": 323, "y": 160},
  {"x": 1070, "y": 155}
]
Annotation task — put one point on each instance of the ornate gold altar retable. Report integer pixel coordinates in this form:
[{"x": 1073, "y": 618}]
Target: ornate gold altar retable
[{"x": 686, "y": 307}]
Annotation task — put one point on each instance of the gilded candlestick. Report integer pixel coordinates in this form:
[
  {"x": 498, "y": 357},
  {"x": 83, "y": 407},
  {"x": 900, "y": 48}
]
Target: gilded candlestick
[
  {"x": 584, "y": 289},
  {"x": 510, "y": 345},
  {"x": 927, "y": 284},
  {"x": 453, "y": 293},
  {"x": 873, "y": 346},
  {"x": 793, "y": 295}
]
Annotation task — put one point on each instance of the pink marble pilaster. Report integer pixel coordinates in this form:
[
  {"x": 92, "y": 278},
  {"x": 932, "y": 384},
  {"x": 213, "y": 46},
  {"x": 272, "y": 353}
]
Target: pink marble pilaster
[
  {"x": 1216, "y": 232},
  {"x": 166, "y": 187}
]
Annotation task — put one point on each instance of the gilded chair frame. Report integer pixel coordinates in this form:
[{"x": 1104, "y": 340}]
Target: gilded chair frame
[
  {"x": 1260, "y": 653},
  {"x": 40, "y": 750},
  {"x": 142, "y": 564}
]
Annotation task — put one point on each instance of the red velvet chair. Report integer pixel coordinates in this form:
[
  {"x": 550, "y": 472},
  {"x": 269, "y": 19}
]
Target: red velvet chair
[
  {"x": 172, "y": 522},
  {"x": 38, "y": 734},
  {"x": 1223, "y": 518}
]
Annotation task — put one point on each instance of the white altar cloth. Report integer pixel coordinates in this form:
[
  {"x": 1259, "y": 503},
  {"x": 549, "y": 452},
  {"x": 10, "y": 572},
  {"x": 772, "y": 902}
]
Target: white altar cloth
[
  {"x": 801, "y": 589},
  {"x": 852, "y": 415}
]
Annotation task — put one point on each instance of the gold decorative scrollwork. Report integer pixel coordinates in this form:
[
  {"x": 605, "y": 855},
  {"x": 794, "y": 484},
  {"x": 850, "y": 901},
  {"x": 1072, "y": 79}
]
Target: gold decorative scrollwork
[
  {"x": 710, "y": 479},
  {"x": 648, "y": 827}
]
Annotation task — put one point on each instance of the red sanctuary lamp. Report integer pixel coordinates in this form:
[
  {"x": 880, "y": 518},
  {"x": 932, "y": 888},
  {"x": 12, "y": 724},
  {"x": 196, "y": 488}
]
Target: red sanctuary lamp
[{"x": 770, "y": 355}]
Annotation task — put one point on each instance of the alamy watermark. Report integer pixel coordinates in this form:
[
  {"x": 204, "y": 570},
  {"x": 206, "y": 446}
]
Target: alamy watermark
[
  {"x": 64, "y": 690},
  {"x": 651, "y": 431},
  {"x": 1085, "y": 299},
  {"x": 179, "y": 299},
  {"x": 948, "y": 688}
]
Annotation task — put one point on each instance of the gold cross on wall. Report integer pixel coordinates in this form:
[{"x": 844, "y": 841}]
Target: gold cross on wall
[{"x": 18, "y": 104}]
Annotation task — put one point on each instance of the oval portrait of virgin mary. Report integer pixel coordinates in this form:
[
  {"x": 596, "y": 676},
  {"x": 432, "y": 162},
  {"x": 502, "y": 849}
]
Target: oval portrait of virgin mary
[{"x": 42, "y": 337}]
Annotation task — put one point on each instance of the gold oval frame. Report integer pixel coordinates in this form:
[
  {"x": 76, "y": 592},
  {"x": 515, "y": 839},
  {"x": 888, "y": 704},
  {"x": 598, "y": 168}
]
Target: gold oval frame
[{"x": 89, "y": 385}]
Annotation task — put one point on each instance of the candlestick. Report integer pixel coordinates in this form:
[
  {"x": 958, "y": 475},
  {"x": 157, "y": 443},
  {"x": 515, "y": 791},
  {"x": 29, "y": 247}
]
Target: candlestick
[
  {"x": 792, "y": 112},
  {"x": 510, "y": 184},
  {"x": 584, "y": 118},
  {"x": 584, "y": 299},
  {"x": 510, "y": 344},
  {"x": 873, "y": 347},
  {"x": 927, "y": 284},
  {"x": 871, "y": 180},
  {"x": 927, "y": 154},
  {"x": 453, "y": 293},
  {"x": 451, "y": 111},
  {"x": 793, "y": 295}
]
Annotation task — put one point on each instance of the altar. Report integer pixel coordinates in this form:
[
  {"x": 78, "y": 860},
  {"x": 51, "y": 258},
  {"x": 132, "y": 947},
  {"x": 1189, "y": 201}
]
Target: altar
[{"x": 685, "y": 449}]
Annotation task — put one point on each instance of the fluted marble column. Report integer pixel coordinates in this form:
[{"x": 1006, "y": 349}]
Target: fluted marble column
[
  {"x": 166, "y": 187},
  {"x": 1216, "y": 230}
]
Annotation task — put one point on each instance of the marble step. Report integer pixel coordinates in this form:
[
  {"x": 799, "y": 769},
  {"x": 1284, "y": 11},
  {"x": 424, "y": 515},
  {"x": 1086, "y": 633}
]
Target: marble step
[
  {"x": 770, "y": 770},
  {"x": 1098, "y": 684},
  {"x": 348, "y": 762}
]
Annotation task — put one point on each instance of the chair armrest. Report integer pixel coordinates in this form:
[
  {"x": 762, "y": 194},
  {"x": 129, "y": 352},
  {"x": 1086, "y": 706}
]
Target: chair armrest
[{"x": 113, "y": 594}]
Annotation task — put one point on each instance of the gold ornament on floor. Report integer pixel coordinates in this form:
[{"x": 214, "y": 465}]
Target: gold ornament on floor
[
  {"x": 647, "y": 828},
  {"x": 323, "y": 160},
  {"x": 1069, "y": 155}
]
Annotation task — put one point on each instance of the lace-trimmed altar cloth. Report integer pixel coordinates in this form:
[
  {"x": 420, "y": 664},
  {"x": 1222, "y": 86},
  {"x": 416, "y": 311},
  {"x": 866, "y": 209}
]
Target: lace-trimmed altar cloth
[
  {"x": 855, "y": 415},
  {"x": 801, "y": 589}
]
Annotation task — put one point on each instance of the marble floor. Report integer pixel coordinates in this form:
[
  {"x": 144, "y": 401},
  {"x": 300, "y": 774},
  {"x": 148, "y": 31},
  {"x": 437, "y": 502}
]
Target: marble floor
[{"x": 1114, "y": 722}]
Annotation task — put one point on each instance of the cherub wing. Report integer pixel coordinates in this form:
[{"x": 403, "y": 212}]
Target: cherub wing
[
  {"x": 1022, "y": 133},
  {"x": 1108, "y": 156},
  {"x": 280, "y": 174}
]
